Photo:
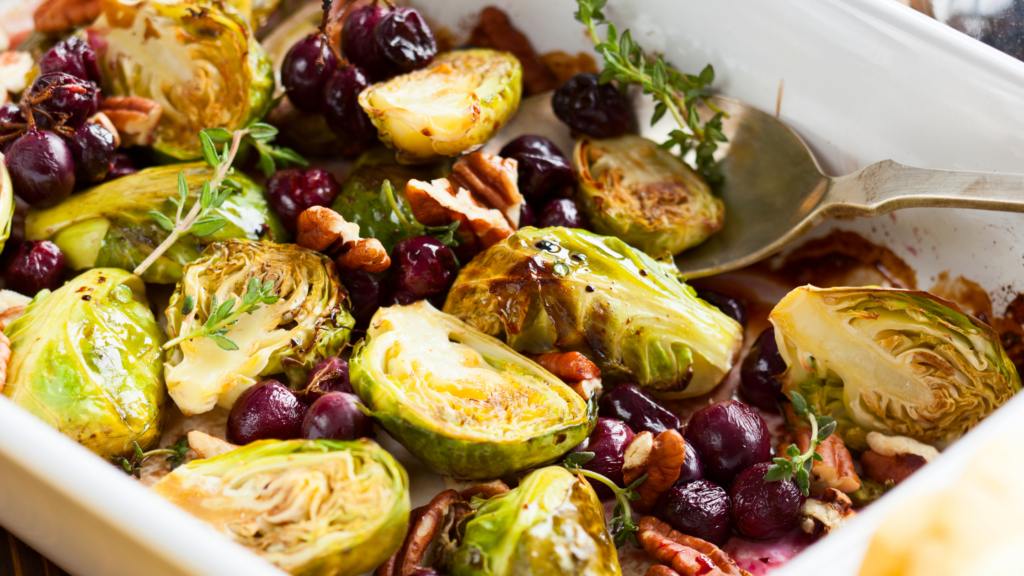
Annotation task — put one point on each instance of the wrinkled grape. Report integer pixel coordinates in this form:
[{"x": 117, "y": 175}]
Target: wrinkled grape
[
  {"x": 608, "y": 442},
  {"x": 757, "y": 375},
  {"x": 762, "y": 509},
  {"x": 700, "y": 509},
  {"x": 730, "y": 436},
  {"x": 637, "y": 408},
  {"x": 587, "y": 106}
]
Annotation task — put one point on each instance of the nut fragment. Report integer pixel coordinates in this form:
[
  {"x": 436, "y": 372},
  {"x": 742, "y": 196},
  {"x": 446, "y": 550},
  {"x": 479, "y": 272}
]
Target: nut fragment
[
  {"x": 56, "y": 16},
  {"x": 493, "y": 181},
  {"x": 207, "y": 446},
  {"x": 470, "y": 488},
  {"x": 573, "y": 368},
  {"x": 12, "y": 305},
  {"x": 425, "y": 524},
  {"x": 686, "y": 555},
  {"x": 831, "y": 512},
  {"x": 896, "y": 445},
  {"x": 324, "y": 230},
  {"x": 436, "y": 203},
  {"x": 660, "y": 570},
  {"x": 136, "y": 118},
  {"x": 895, "y": 469},
  {"x": 660, "y": 458},
  {"x": 835, "y": 470}
]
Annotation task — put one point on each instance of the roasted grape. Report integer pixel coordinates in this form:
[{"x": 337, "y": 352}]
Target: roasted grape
[
  {"x": 268, "y": 410},
  {"x": 763, "y": 509},
  {"x": 292, "y": 191},
  {"x": 42, "y": 168},
  {"x": 38, "y": 265},
  {"x": 730, "y": 436},
  {"x": 588, "y": 106},
  {"x": 302, "y": 81},
  {"x": 404, "y": 39},
  {"x": 92, "y": 147}
]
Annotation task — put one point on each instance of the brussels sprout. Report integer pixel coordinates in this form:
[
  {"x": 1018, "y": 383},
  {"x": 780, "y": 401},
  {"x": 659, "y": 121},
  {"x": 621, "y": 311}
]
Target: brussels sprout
[
  {"x": 552, "y": 524},
  {"x": 558, "y": 289},
  {"x": 632, "y": 189},
  {"x": 309, "y": 321},
  {"x": 255, "y": 12},
  {"x": 198, "y": 61},
  {"x": 458, "y": 102},
  {"x": 110, "y": 224},
  {"x": 311, "y": 507},
  {"x": 87, "y": 360},
  {"x": 6, "y": 205},
  {"x": 892, "y": 361},
  {"x": 461, "y": 401}
]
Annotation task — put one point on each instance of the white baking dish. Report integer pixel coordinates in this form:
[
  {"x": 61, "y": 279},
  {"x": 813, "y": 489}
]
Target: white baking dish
[{"x": 861, "y": 81}]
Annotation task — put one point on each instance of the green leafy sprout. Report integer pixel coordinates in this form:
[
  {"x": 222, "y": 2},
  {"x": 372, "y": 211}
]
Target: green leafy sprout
[
  {"x": 225, "y": 314},
  {"x": 796, "y": 465},
  {"x": 133, "y": 465},
  {"x": 676, "y": 93},
  {"x": 200, "y": 220},
  {"x": 621, "y": 526}
]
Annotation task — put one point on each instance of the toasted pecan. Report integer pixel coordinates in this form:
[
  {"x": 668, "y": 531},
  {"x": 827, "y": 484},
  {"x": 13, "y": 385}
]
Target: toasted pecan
[
  {"x": 895, "y": 469},
  {"x": 57, "y": 16},
  {"x": 425, "y": 524},
  {"x": 436, "y": 203},
  {"x": 493, "y": 182},
  {"x": 831, "y": 512},
  {"x": 324, "y": 230},
  {"x": 896, "y": 445},
  {"x": 684, "y": 554},
  {"x": 835, "y": 469},
  {"x": 207, "y": 446},
  {"x": 136, "y": 118},
  {"x": 660, "y": 458},
  {"x": 569, "y": 366}
]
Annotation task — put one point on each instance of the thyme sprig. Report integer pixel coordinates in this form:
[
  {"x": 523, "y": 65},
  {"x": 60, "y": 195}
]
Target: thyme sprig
[
  {"x": 225, "y": 314},
  {"x": 133, "y": 465},
  {"x": 798, "y": 465},
  {"x": 201, "y": 219},
  {"x": 676, "y": 93},
  {"x": 621, "y": 526}
]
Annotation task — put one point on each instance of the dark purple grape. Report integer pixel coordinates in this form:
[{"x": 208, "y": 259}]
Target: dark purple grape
[
  {"x": 302, "y": 81},
  {"x": 268, "y": 410},
  {"x": 337, "y": 416},
  {"x": 526, "y": 216},
  {"x": 731, "y": 307},
  {"x": 608, "y": 442},
  {"x": 539, "y": 176},
  {"x": 404, "y": 39},
  {"x": 72, "y": 97},
  {"x": 292, "y": 191},
  {"x": 530, "y": 144},
  {"x": 366, "y": 292},
  {"x": 757, "y": 375},
  {"x": 693, "y": 465},
  {"x": 329, "y": 375},
  {"x": 73, "y": 56},
  {"x": 425, "y": 572},
  {"x": 121, "y": 165},
  {"x": 636, "y": 407},
  {"x": 587, "y": 106},
  {"x": 38, "y": 264},
  {"x": 10, "y": 114},
  {"x": 400, "y": 298},
  {"x": 41, "y": 167},
  {"x": 562, "y": 212},
  {"x": 731, "y": 437},
  {"x": 762, "y": 509},
  {"x": 422, "y": 267},
  {"x": 342, "y": 111},
  {"x": 358, "y": 44},
  {"x": 700, "y": 509},
  {"x": 92, "y": 147}
]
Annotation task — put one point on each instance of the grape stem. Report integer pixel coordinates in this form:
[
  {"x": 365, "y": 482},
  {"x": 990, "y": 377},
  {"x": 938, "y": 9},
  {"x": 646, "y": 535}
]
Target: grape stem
[{"x": 182, "y": 227}]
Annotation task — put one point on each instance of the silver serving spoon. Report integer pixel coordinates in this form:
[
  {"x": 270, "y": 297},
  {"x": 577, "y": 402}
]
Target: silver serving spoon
[{"x": 774, "y": 191}]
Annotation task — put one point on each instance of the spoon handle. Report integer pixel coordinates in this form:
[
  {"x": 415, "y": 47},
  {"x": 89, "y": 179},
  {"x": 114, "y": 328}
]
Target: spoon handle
[{"x": 886, "y": 186}]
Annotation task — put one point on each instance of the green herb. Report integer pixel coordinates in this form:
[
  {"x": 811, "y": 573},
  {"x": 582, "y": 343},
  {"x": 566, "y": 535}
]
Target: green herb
[
  {"x": 443, "y": 234},
  {"x": 133, "y": 466},
  {"x": 225, "y": 314},
  {"x": 621, "y": 526},
  {"x": 626, "y": 63},
  {"x": 798, "y": 466},
  {"x": 201, "y": 219}
]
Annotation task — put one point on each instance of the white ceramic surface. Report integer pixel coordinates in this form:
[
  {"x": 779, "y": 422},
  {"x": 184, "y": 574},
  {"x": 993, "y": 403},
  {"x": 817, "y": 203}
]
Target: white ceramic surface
[{"x": 864, "y": 80}]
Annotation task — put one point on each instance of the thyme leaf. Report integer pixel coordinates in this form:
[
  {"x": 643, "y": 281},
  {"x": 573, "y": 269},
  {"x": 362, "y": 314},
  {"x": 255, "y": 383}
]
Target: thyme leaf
[
  {"x": 225, "y": 314},
  {"x": 797, "y": 465}
]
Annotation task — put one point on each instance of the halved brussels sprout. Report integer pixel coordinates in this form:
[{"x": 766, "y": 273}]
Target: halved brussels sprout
[
  {"x": 87, "y": 360},
  {"x": 309, "y": 322},
  {"x": 311, "y": 507},
  {"x": 461, "y": 401},
  {"x": 6, "y": 204},
  {"x": 201, "y": 63},
  {"x": 110, "y": 224},
  {"x": 558, "y": 289},
  {"x": 892, "y": 361},
  {"x": 633, "y": 190},
  {"x": 552, "y": 524},
  {"x": 458, "y": 102}
]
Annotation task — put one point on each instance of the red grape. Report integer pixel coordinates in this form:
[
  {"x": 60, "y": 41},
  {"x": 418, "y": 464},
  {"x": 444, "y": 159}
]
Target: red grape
[{"x": 41, "y": 168}]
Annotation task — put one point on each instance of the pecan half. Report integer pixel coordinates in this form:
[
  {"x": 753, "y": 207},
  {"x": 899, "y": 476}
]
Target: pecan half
[
  {"x": 893, "y": 469},
  {"x": 686, "y": 555},
  {"x": 12, "y": 305},
  {"x": 494, "y": 30},
  {"x": 136, "y": 118},
  {"x": 660, "y": 570},
  {"x": 661, "y": 458},
  {"x": 425, "y": 524},
  {"x": 436, "y": 203},
  {"x": 207, "y": 446},
  {"x": 104, "y": 120},
  {"x": 897, "y": 445},
  {"x": 324, "y": 230},
  {"x": 831, "y": 512},
  {"x": 56, "y": 16},
  {"x": 468, "y": 489},
  {"x": 573, "y": 368},
  {"x": 493, "y": 181},
  {"x": 835, "y": 470}
]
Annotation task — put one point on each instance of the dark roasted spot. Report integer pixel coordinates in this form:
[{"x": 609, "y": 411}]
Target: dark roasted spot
[
  {"x": 643, "y": 272},
  {"x": 86, "y": 297},
  {"x": 590, "y": 288},
  {"x": 578, "y": 257},
  {"x": 560, "y": 438},
  {"x": 546, "y": 246}
]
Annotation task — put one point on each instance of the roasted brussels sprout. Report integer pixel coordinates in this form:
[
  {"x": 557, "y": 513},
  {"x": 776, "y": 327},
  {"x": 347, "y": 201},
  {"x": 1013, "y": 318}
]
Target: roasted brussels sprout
[
  {"x": 311, "y": 507},
  {"x": 633, "y": 190},
  {"x": 458, "y": 102},
  {"x": 110, "y": 225},
  {"x": 552, "y": 524},
  {"x": 201, "y": 63},
  {"x": 308, "y": 322},
  {"x": 892, "y": 361},
  {"x": 6, "y": 205},
  {"x": 461, "y": 401},
  {"x": 559, "y": 289},
  {"x": 87, "y": 360}
]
